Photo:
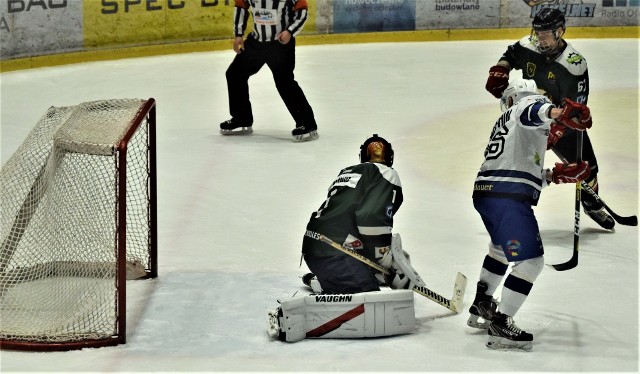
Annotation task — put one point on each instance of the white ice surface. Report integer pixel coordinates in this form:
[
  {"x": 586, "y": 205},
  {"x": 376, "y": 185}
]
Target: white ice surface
[{"x": 232, "y": 210}]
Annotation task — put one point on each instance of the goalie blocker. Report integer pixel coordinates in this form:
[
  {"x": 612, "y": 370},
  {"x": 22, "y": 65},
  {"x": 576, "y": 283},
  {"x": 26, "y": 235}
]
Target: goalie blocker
[{"x": 359, "y": 315}]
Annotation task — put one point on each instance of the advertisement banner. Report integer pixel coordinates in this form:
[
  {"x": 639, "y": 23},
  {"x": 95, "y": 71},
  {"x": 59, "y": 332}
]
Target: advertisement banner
[
  {"x": 351, "y": 16},
  {"x": 32, "y": 27},
  {"x": 136, "y": 22},
  {"x": 457, "y": 14},
  {"x": 578, "y": 13}
]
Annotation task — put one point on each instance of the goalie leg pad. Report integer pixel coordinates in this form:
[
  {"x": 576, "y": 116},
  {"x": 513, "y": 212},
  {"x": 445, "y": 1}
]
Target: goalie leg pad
[{"x": 360, "y": 315}]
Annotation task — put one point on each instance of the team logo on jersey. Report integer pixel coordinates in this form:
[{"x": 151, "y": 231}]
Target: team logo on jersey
[
  {"x": 537, "y": 158},
  {"x": 266, "y": 17},
  {"x": 389, "y": 211},
  {"x": 513, "y": 246},
  {"x": 575, "y": 58},
  {"x": 531, "y": 69}
]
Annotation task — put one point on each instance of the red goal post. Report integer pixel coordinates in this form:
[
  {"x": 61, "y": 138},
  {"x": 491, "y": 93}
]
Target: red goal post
[{"x": 78, "y": 217}]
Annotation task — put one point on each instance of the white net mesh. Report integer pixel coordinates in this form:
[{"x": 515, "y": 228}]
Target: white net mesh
[{"x": 59, "y": 222}]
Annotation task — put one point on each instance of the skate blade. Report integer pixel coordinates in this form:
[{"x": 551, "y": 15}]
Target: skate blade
[
  {"x": 237, "y": 131},
  {"x": 474, "y": 321},
  {"x": 312, "y": 135},
  {"x": 504, "y": 343}
]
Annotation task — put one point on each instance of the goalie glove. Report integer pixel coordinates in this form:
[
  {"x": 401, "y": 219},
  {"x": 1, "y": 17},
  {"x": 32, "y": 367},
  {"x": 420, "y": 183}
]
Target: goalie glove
[
  {"x": 498, "y": 80},
  {"x": 555, "y": 133},
  {"x": 571, "y": 173},
  {"x": 574, "y": 115}
]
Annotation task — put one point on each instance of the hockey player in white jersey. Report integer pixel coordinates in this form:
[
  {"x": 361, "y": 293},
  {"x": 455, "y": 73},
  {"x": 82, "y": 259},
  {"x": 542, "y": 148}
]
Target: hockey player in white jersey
[
  {"x": 508, "y": 184},
  {"x": 561, "y": 71}
]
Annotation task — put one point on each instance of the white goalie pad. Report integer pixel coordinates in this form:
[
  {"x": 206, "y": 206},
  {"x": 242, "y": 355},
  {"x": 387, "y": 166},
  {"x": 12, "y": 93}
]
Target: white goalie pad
[
  {"x": 406, "y": 276},
  {"x": 360, "y": 315}
]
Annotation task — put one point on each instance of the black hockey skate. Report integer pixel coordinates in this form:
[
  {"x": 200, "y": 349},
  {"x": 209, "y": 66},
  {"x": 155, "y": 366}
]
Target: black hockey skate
[
  {"x": 599, "y": 215},
  {"x": 483, "y": 308},
  {"x": 305, "y": 133},
  {"x": 503, "y": 333},
  {"x": 232, "y": 127},
  {"x": 306, "y": 279},
  {"x": 312, "y": 282}
]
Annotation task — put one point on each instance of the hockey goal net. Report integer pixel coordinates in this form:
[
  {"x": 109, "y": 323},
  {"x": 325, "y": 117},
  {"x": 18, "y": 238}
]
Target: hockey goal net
[{"x": 78, "y": 218}]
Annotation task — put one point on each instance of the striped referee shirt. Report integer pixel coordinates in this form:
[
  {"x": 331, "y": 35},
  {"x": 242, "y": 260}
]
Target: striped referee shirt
[{"x": 270, "y": 17}]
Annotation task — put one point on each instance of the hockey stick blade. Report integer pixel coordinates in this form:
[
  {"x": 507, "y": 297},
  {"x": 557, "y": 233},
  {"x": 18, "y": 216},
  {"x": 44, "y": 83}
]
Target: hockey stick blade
[
  {"x": 573, "y": 262},
  {"x": 626, "y": 221},
  {"x": 454, "y": 304}
]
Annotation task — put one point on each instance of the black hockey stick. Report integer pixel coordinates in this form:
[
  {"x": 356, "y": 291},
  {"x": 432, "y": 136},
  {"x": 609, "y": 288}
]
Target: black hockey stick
[
  {"x": 454, "y": 304},
  {"x": 627, "y": 221},
  {"x": 573, "y": 261}
]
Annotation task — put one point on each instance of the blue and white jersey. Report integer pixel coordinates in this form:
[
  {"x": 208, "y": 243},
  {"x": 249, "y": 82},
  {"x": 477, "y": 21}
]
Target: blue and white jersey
[{"x": 514, "y": 158}]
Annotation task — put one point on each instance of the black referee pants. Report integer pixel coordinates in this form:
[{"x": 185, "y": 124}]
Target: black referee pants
[{"x": 281, "y": 59}]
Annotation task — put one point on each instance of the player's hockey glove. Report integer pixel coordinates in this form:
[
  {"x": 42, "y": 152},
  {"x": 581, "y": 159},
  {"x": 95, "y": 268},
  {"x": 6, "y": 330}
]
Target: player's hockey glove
[
  {"x": 571, "y": 173},
  {"x": 574, "y": 115},
  {"x": 498, "y": 80},
  {"x": 555, "y": 133}
]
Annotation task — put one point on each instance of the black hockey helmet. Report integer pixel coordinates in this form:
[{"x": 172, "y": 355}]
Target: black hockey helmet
[
  {"x": 548, "y": 19},
  {"x": 376, "y": 149},
  {"x": 549, "y": 22}
]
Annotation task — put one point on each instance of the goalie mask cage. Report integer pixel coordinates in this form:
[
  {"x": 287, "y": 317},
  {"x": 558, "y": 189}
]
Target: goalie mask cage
[{"x": 78, "y": 218}]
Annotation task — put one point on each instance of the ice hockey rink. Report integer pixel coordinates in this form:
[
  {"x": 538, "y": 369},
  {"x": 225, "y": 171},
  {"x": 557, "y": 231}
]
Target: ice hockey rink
[{"x": 232, "y": 210}]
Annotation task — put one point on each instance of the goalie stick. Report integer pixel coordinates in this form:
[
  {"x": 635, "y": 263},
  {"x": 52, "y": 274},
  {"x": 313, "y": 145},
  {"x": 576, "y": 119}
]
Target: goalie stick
[{"x": 454, "y": 304}]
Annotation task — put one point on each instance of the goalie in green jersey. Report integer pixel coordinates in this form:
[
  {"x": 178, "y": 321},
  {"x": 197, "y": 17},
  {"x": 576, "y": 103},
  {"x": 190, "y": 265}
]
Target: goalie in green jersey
[{"x": 357, "y": 213}]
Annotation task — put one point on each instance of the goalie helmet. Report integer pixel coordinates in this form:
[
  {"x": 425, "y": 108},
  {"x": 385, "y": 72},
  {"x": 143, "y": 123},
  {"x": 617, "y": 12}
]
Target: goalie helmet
[
  {"x": 376, "y": 149},
  {"x": 547, "y": 29},
  {"x": 516, "y": 90}
]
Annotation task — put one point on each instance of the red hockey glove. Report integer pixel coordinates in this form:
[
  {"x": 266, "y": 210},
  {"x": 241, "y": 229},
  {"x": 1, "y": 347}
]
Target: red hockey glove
[
  {"x": 575, "y": 115},
  {"x": 572, "y": 173},
  {"x": 498, "y": 80},
  {"x": 555, "y": 133}
]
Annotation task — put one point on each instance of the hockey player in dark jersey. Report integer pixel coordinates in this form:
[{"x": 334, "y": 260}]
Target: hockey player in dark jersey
[
  {"x": 509, "y": 182},
  {"x": 272, "y": 42},
  {"x": 358, "y": 213},
  {"x": 561, "y": 72}
]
